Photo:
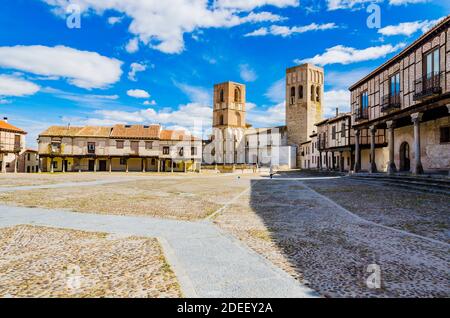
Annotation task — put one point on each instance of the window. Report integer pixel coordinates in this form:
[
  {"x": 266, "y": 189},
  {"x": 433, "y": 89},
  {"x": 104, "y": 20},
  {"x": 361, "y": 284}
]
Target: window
[
  {"x": 221, "y": 120},
  {"x": 292, "y": 96},
  {"x": 194, "y": 151},
  {"x": 318, "y": 94},
  {"x": 445, "y": 134},
  {"x": 166, "y": 150},
  {"x": 333, "y": 132},
  {"x": 394, "y": 88},
  {"x": 300, "y": 92},
  {"x": 221, "y": 96},
  {"x": 55, "y": 164},
  {"x": 313, "y": 91},
  {"x": 149, "y": 145},
  {"x": 28, "y": 156},
  {"x": 17, "y": 142},
  {"x": 343, "y": 130},
  {"x": 91, "y": 147},
  {"x": 134, "y": 145},
  {"x": 56, "y": 147},
  {"x": 431, "y": 66},
  {"x": 181, "y": 152},
  {"x": 237, "y": 95},
  {"x": 119, "y": 144},
  {"x": 364, "y": 101}
]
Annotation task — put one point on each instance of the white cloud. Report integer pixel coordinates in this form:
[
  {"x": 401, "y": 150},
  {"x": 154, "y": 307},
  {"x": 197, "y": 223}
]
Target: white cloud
[
  {"x": 134, "y": 69},
  {"x": 344, "y": 79},
  {"x": 13, "y": 86},
  {"x": 402, "y": 2},
  {"x": 81, "y": 68},
  {"x": 346, "y": 55},
  {"x": 336, "y": 98},
  {"x": 247, "y": 5},
  {"x": 285, "y": 31},
  {"x": 149, "y": 103},
  {"x": 408, "y": 28},
  {"x": 138, "y": 93},
  {"x": 196, "y": 94},
  {"x": 132, "y": 45},
  {"x": 114, "y": 20},
  {"x": 162, "y": 24},
  {"x": 84, "y": 100},
  {"x": 268, "y": 117},
  {"x": 277, "y": 91},
  {"x": 247, "y": 73},
  {"x": 349, "y": 4}
]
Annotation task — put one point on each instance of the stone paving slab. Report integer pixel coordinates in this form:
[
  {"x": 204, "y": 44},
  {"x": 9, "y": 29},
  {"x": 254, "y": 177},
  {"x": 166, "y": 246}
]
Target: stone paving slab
[{"x": 212, "y": 263}]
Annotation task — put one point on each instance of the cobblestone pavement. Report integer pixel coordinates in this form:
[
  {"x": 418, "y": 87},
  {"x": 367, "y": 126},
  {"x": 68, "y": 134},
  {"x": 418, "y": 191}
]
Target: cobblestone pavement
[
  {"x": 185, "y": 198},
  {"x": 46, "y": 262},
  {"x": 330, "y": 249},
  {"x": 421, "y": 213}
]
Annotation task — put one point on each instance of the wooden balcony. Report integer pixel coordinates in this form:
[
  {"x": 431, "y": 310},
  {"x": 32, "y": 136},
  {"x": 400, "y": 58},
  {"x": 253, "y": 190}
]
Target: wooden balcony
[
  {"x": 428, "y": 86},
  {"x": 362, "y": 114},
  {"x": 390, "y": 102}
]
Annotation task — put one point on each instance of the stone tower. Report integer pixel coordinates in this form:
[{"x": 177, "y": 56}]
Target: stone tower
[
  {"x": 304, "y": 97},
  {"x": 229, "y": 123}
]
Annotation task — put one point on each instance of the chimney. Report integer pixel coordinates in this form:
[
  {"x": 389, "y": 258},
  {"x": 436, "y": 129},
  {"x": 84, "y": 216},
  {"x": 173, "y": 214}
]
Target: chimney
[
  {"x": 337, "y": 111},
  {"x": 5, "y": 119}
]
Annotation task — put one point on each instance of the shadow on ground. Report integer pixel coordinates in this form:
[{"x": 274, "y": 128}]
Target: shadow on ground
[{"x": 331, "y": 250}]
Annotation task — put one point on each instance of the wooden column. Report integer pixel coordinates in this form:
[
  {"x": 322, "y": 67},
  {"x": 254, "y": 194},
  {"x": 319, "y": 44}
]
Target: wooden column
[{"x": 16, "y": 162}]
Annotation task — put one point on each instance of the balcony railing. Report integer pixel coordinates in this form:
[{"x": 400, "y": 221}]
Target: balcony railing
[
  {"x": 429, "y": 85},
  {"x": 362, "y": 114},
  {"x": 390, "y": 101}
]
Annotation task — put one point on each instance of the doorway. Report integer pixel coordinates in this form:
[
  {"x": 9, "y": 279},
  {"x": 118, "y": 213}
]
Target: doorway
[
  {"x": 405, "y": 159},
  {"x": 102, "y": 165},
  {"x": 91, "y": 165}
]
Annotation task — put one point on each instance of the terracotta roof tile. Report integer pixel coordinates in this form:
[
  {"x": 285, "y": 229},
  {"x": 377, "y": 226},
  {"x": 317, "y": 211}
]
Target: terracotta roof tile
[
  {"x": 87, "y": 131},
  {"x": 136, "y": 131},
  {"x": 7, "y": 126},
  {"x": 176, "y": 135}
]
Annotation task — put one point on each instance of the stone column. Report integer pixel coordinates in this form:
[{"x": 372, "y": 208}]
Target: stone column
[
  {"x": 341, "y": 162},
  {"x": 417, "y": 168},
  {"x": 3, "y": 163},
  {"x": 373, "y": 164},
  {"x": 110, "y": 165},
  {"x": 171, "y": 165},
  {"x": 39, "y": 165},
  {"x": 63, "y": 165},
  {"x": 320, "y": 161},
  {"x": 185, "y": 166},
  {"x": 126, "y": 165},
  {"x": 52, "y": 170},
  {"x": 357, "y": 167},
  {"x": 448, "y": 106},
  {"x": 16, "y": 162},
  {"x": 391, "y": 169},
  {"x": 158, "y": 163},
  {"x": 144, "y": 165},
  {"x": 95, "y": 165}
]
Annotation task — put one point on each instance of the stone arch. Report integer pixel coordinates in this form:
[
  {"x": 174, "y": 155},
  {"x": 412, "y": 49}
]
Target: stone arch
[
  {"x": 300, "y": 92},
  {"x": 237, "y": 95},
  {"x": 405, "y": 157}
]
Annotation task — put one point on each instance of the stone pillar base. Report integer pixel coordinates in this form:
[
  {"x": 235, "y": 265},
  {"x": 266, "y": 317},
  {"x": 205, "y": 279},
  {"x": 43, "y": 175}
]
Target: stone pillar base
[
  {"x": 391, "y": 169},
  {"x": 373, "y": 168},
  {"x": 418, "y": 169}
]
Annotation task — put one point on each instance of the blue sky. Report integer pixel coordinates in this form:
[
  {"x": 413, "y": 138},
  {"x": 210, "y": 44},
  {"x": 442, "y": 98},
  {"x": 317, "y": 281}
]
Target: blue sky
[{"x": 153, "y": 61}]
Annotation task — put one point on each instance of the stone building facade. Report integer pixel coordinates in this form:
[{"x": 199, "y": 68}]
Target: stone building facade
[
  {"x": 119, "y": 148},
  {"x": 12, "y": 144},
  {"x": 409, "y": 97},
  {"x": 304, "y": 98}
]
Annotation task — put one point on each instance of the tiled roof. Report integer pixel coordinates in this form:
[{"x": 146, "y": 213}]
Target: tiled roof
[
  {"x": 176, "y": 135},
  {"x": 87, "y": 131},
  {"x": 7, "y": 126},
  {"x": 136, "y": 131}
]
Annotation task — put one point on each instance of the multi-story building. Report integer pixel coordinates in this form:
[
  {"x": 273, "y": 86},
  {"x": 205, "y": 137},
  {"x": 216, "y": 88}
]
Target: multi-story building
[
  {"x": 336, "y": 143},
  {"x": 304, "y": 97},
  {"x": 118, "y": 148},
  {"x": 28, "y": 161},
  {"x": 409, "y": 96},
  {"x": 12, "y": 143}
]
